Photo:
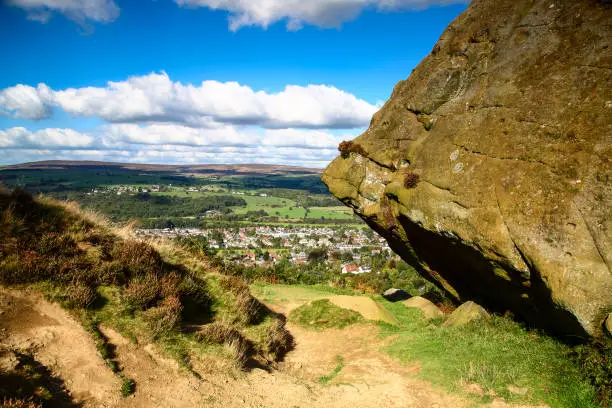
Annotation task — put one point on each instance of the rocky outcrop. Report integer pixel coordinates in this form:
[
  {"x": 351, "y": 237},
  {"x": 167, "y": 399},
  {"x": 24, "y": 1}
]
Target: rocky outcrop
[
  {"x": 430, "y": 311},
  {"x": 489, "y": 167},
  {"x": 466, "y": 313}
]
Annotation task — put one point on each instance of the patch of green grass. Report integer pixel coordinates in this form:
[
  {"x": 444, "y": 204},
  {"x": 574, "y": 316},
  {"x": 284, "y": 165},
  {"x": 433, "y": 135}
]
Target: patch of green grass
[
  {"x": 127, "y": 387},
  {"x": 321, "y": 314},
  {"x": 494, "y": 354},
  {"x": 339, "y": 366},
  {"x": 279, "y": 293}
]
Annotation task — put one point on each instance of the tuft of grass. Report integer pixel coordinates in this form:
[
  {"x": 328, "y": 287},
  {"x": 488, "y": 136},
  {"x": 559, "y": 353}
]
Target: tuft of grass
[
  {"x": 324, "y": 380},
  {"x": 494, "y": 354},
  {"x": 322, "y": 314},
  {"x": 128, "y": 387}
]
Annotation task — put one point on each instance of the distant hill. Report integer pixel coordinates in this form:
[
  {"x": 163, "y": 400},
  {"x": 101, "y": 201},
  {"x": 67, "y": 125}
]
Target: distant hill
[{"x": 220, "y": 169}]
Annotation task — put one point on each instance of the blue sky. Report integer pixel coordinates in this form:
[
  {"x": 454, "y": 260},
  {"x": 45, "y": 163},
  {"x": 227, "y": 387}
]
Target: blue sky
[{"x": 284, "y": 81}]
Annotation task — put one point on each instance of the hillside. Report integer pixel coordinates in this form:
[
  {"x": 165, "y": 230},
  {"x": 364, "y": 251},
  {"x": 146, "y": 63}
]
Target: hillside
[
  {"x": 92, "y": 316},
  {"x": 149, "y": 293}
]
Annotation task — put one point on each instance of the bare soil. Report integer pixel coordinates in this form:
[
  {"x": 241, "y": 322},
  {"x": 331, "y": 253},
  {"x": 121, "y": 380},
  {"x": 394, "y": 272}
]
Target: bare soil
[{"x": 368, "y": 378}]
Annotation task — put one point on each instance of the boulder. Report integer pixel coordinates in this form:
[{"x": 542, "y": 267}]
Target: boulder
[
  {"x": 430, "y": 311},
  {"x": 395, "y": 295},
  {"x": 467, "y": 312},
  {"x": 489, "y": 168}
]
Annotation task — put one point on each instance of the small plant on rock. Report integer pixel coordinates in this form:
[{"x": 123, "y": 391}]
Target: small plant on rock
[
  {"x": 348, "y": 147},
  {"x": 411, "y": 179}
]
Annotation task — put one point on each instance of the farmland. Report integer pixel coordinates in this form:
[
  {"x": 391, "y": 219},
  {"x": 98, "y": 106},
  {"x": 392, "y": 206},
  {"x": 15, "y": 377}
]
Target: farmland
[{"x": 186, "y": 196}]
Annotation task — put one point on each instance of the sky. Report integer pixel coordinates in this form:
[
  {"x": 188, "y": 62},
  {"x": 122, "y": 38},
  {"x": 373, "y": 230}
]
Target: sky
[{"x": 203, "y": 81}]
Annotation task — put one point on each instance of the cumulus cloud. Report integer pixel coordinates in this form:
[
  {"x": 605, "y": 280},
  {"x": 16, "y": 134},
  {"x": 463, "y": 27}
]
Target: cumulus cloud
[
  {"x": 321, "y": 13},
  {"x": 19, "y": 137},
  {"x": 168, "y": 143},
  {"x": 156, "y": 98},
  {"x": 103, "y": 11}
]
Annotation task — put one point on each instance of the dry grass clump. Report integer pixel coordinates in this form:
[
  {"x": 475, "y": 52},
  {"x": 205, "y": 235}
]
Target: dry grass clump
[
  {"x": 217, "y": 333},
  {"x": 80, "y": 295},
  {"x": 18, "y": 403},
  {"x": 387, "y": 213},
  {"x": 164, "y": 318},
  {"x": 278, "y": 341},
  {"x": 411, "y": 179},
  {"x": 141, "y": 292},
  {"x": 221, "y": 333},
  {"x": 348, "y": 147},
  {"x": 248, "y": 309},
  {"x": 138, "y": 257}
]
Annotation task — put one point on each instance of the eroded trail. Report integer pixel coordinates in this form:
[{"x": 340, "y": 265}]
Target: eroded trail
[{"x": 366, "y": 377}]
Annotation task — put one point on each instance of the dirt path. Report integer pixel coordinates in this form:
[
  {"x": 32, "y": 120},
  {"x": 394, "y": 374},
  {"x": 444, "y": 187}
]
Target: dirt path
[{"x": 367, "y": 378}]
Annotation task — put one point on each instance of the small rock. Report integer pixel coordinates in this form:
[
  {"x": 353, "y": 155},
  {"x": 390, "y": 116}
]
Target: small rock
[
  {"x": 467, "y": 312},
  {"x": 607, "y": 325},
  {"x": 395, "y": 295},
  {"x": 430, "y": 311},
  {"x": 517, "y": 390}
]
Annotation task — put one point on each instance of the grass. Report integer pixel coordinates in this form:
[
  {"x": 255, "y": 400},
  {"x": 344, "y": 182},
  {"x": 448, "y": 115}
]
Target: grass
[
  {"x": 299, "y": 293},
  {"x": 321, "y": 314},
  {"x": 324, "y": 380},
  {"x": 128, "y": 387},
  {"x": 494, "y": 354}
]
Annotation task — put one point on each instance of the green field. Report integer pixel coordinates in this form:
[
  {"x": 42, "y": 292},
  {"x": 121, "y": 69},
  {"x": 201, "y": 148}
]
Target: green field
[{"x": 270, "y": 198}]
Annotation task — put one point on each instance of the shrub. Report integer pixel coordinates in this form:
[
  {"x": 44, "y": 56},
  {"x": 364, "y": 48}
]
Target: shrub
[
  {"x": 411, "y": 179},
  {"x": 170, "y": 285},
  {"x": 164, "y": 318},
  {"x": 138, "y": 257},
  {"x": 217, "y": 333},
  {"x": 80, "y": 295},
  {"x": 141, "y": 292},
  {"x": 55, "y": 244},
  {"x": 348, "y": 147},
  {"x": 18, "y": 403}
]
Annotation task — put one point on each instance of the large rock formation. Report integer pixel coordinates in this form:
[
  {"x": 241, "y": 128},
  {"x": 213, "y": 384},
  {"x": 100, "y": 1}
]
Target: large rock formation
[{"x": 489, "y": 167}]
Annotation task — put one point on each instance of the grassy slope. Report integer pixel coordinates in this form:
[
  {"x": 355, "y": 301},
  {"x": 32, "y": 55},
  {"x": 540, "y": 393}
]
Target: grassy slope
[
  {"x": 146, "y": 291},
  {"x": 494, "y": 354}
]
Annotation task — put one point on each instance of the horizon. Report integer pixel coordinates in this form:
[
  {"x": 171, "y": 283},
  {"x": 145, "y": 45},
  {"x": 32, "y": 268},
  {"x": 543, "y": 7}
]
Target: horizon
[{"x": 195, "y": 81}]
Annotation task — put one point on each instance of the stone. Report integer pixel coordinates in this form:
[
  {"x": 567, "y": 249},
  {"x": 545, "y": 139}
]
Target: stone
[
  {"x": 395, "y": 295},
  {"x": 430, "y": 311},
  {"x": 489, "y": 168},
  {"x": 607, "y": 325},
  {"x": 517, "y": 390},
  {"x": 466, "y": 313}
]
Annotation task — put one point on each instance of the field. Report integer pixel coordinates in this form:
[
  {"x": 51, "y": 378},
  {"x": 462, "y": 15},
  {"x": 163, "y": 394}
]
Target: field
[{"x": 261, "y": 193}]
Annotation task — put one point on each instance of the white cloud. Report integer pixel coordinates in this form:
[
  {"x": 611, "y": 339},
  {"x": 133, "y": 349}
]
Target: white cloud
[
  {"x": 79, "y": 10},
  {"x": 167, "y": 143},
  {"x": 19, "y": 137},
  {"x": 25, "y": 102},
  {"x": 156, "y": 98},
  {"x": 321, "y": 13}
]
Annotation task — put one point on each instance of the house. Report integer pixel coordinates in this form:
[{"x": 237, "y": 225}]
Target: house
[{"x": 349, "y": 268}]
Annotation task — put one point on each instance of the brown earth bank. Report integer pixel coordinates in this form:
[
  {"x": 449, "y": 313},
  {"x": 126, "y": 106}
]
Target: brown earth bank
[
  {"x": 489, "y": 167},
  {"x": 369, "y": 378}
]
